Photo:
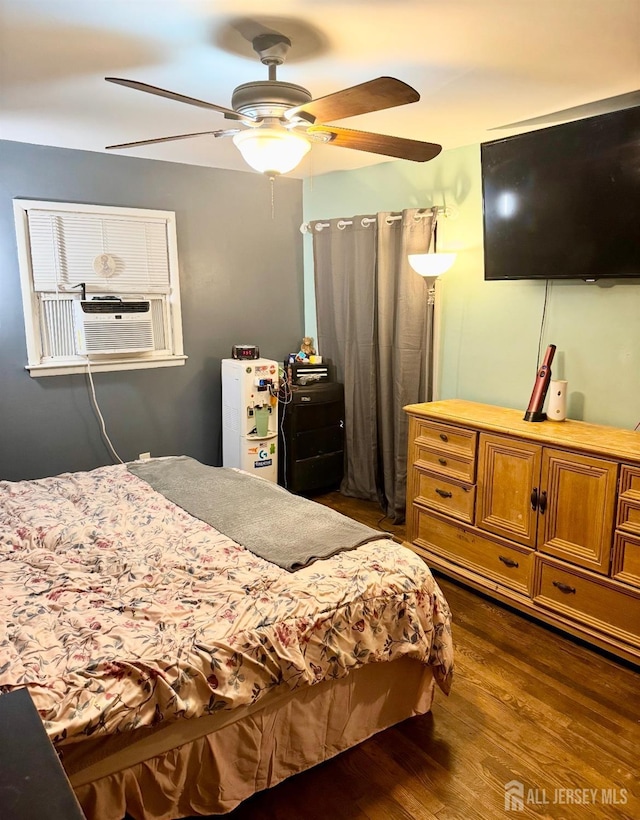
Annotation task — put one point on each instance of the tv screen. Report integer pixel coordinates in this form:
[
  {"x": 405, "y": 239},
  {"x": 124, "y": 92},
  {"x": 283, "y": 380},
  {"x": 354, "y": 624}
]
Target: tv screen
[{"x": 564, "y": 202}]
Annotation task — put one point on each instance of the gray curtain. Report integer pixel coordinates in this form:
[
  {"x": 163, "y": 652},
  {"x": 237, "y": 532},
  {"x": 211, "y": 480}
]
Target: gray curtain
[
  {"x": 403, "y": 314},
  {"x": 374, "y": 325},
  {"x": 345, "y": 283}
]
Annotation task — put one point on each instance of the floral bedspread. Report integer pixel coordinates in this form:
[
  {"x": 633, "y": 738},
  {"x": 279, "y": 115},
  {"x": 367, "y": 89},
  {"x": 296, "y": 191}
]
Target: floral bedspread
[{"x": 120, "y": 610}]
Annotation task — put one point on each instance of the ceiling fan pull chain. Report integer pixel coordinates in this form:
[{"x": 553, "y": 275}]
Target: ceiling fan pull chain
[{"x": 273, "y": 209}]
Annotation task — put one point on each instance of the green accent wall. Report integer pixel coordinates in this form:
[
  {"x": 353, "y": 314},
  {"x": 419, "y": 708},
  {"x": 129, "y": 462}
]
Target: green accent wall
[{"x": 490, "y": 331}]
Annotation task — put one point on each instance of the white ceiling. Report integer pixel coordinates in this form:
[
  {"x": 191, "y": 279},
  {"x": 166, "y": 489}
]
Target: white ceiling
[{"x": 477, "y": 64}]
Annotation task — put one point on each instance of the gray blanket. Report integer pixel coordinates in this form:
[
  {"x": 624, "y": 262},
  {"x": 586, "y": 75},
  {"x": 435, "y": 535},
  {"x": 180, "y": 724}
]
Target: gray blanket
[{"x": 285, "y": 529}]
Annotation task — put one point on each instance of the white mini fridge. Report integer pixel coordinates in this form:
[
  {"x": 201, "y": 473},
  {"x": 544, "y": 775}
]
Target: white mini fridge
[{"x": 250, "y": 416}]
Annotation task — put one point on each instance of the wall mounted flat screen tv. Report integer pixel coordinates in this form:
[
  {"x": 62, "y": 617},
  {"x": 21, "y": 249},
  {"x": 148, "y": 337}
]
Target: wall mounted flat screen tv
[{"x": 564, "y": 202}]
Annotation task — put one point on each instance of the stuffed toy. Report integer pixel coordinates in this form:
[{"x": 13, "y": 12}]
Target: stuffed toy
[{"x": 306, "y": 349}]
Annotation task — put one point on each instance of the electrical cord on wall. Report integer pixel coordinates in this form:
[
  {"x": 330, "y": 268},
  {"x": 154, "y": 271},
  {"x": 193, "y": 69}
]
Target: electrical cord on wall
[
  {"x": 94, "y": 400},
  {"x": 544, "y": 316},
  {"x": 284, "y": 395},
  {"x": 284, "y": 449}
]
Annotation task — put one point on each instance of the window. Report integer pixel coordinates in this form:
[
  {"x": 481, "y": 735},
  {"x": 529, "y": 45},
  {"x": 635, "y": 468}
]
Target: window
[{"x": 98, "y": 282}]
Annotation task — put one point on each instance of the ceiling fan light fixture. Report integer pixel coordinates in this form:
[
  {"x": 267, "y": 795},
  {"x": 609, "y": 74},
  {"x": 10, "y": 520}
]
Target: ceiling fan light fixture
[{"x": 271, "y": 150}]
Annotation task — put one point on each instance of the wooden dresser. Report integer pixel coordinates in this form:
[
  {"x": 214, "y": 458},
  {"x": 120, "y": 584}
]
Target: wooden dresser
[{"x": 544, "y": 516}]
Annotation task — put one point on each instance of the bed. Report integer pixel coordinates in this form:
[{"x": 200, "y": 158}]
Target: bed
[{"x": 176, "y": 670}]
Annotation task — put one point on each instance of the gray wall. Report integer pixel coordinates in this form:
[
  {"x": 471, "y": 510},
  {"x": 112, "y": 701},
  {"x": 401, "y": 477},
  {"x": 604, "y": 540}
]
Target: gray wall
[{"x": 241, "y": 282}]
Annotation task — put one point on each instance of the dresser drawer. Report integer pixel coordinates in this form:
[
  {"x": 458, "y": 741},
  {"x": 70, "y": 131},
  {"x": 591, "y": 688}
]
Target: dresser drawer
[
  {"x": 456, "y": 441},
  {"x": 446, "y": 496},
  {"x": 596, "y": 602},
  {"x": 629, "y": 480},
  {"x": 504, "y": 564},
  {"x": 460, "y": 469},
  {"x": 629, "y": 514},
  {"x": 626, "y": 559}
]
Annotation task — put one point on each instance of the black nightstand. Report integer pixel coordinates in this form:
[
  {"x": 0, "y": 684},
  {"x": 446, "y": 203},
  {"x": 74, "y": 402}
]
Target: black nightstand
[{"x": 311, "y": 438}]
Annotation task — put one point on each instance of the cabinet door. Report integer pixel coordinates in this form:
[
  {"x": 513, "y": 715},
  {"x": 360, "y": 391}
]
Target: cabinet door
[
  {"x": 508, "y": 473},
  {"x": 577, "y": 508}
]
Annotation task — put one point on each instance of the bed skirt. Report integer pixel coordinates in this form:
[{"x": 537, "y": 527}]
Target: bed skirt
[{"x": 211, "y": 764}]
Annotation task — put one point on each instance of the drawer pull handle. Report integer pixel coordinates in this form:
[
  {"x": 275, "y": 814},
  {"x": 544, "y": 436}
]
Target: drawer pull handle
[
  {"x": 509, "y": 562},
  {"x": 444, "y": 436},
  {"x": 442, "y": 461},
  {"x": 443, "y": 493},
  {"x": 564, "y": 587},
  {"x": 534, "y": 498},
  {"x": 542, "y": 504}
]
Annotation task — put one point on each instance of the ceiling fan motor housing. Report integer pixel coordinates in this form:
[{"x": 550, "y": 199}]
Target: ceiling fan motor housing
[{"x": 268, "y": 98}]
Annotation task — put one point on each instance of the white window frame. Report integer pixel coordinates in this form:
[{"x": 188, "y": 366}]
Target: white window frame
[{"x": 40, "y": 365}]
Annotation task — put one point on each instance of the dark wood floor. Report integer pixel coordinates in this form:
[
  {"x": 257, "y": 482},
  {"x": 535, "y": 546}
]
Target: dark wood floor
[{"x": 528, "y": 704}]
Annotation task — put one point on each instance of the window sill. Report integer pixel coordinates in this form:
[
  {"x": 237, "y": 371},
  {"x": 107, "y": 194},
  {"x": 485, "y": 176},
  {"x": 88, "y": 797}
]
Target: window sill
[{"x": 67, "y": 367}]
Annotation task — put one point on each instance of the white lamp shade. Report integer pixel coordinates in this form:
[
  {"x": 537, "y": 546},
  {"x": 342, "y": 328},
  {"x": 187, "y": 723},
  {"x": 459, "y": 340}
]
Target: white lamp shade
[
  {"x": 271, "y": 150},
  {"x": 431, "y": 264}
]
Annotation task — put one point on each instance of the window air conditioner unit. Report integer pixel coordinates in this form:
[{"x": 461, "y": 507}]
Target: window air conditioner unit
[{"x": 112, "y": 326}]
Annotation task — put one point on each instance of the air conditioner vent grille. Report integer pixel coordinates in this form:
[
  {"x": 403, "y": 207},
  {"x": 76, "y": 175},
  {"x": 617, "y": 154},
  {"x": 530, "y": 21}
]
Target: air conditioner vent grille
[
  {"x": 133, "y": 337},
  {"x": 115, "y": 330}
]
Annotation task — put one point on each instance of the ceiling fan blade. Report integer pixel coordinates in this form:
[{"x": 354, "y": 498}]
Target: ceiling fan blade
[
  {"x": 229, "y": 113},
  {"x": 374, "y": 95},
  {"x": 228, "y": 133},
  {"x": 398, "y": 147},
  {"x": 617, "y": 103}
]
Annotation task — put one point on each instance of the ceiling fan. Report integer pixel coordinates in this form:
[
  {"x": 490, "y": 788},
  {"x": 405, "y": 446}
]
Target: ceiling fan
[{"x": 276, "y": 122}]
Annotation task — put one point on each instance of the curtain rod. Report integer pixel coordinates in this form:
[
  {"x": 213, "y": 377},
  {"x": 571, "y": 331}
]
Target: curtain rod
[{"x": 368, "y": 220}]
